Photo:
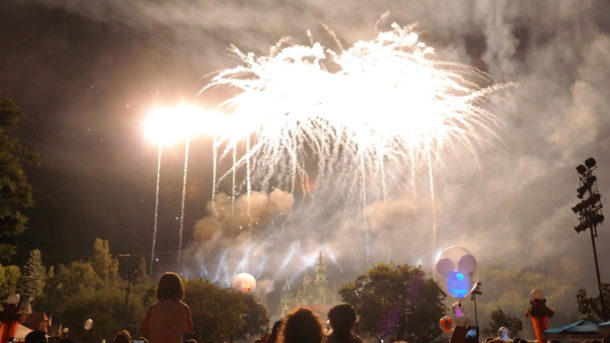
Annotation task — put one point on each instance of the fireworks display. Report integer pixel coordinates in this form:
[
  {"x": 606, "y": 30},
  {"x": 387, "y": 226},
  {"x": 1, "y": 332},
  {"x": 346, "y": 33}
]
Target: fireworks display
[
  {"x": 366, "y": 114},
  {"x": 360, "y": 123},
  {"x": 214, "y": 138}
]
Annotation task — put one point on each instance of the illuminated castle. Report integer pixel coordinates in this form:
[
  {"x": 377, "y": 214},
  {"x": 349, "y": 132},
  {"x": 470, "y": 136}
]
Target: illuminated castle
[{"x": 314, "y": 294}]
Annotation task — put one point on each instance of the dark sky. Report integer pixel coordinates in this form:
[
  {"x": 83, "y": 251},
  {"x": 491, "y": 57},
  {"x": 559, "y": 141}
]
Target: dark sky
[
  {"x": 87, "y": 72},
  {"x": 84, "y": 86}
]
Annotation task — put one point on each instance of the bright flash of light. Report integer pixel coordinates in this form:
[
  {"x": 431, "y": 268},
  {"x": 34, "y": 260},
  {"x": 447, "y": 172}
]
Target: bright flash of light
[
  {"x": 171, "y": 124},
  {"x": 168, "y": 125},
  {"x": 354, "y": 112}
]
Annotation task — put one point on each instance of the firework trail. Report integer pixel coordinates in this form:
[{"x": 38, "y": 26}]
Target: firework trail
[
  {"x": 182, "y": 205},
  {"x": 234, "y": 181},
  {"x": 248, "y": 178},
  {"x": 165, "y": 126},
  {"x": 156, "y": 216},
  {"x": 214, "y": 171},
  {"x": 433, "y": 203}
]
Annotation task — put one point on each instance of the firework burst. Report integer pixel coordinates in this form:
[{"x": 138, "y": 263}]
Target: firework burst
[
  {"x": 353, "y": 125},
  {"x": 363, "y": 115}
]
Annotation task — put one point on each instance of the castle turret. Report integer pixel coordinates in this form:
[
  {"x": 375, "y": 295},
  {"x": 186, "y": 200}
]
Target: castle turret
[
  {"x": 321, "y": 283},
  {"x": 321, "y": 268},
  {"x": 314, "y": 291},
  {"x": 286, "y": 300},
  {"x": 286, "y": 291}
]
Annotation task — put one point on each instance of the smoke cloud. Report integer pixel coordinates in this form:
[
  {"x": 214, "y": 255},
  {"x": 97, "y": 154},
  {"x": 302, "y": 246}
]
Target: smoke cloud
[{"x": 246, "y": 214}]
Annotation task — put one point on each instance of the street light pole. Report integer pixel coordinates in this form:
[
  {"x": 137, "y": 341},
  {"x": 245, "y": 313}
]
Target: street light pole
[
  {"x": 599, "y": 282},
  {"x": 473, "y": 297},
  {"x": 589, "y": 212}
]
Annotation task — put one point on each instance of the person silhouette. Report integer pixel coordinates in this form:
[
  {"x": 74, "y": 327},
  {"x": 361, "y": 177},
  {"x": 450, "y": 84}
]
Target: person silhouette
[{"x": 168, "y": 319}]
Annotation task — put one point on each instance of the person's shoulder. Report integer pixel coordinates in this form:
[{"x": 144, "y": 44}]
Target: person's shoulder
[
  {"x": 183, "y": 304},
  {"x": 156, "y": 304}
]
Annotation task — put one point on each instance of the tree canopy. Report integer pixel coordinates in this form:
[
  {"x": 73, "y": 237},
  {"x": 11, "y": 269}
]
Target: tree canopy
[
  {"x": 33, "y": 276},
  {"x": 94, "y": 289},
  {"x": 589, "y": 307},
  {"x": 104, "y": 265},
  {"x": 498, "y": 319},
  {"x": 396, "y": 300},
  {"x": 9, "y": 276},
  {"x": 15, "y": 191},
  {"x": 223, "y": 314}
]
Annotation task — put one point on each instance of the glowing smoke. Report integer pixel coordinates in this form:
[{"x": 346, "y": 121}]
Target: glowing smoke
[
  {"x": 228, "y": 240},
  {"x": 389, "y": 214}
]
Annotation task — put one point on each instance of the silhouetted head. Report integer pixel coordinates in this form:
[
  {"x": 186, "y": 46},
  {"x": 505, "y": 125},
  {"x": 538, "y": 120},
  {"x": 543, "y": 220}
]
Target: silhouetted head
[
  {"x": 342, "y": 318},
  {"x": 122, "y": 336},
  {"x": 302, "y": 326},
  {"x": 170, "y": 287},
  {"x": 36, "y": 336}
]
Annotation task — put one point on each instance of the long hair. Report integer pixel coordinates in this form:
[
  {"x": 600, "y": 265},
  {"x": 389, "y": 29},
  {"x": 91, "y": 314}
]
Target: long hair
[
  {"x": 342, "y": 318},
  {"x": 170, "y": 287},
  {"x": 301, "y": 326}
]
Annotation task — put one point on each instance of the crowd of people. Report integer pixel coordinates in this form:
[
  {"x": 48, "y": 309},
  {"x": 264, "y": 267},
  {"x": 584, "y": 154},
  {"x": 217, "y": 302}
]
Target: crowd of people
[
  {"x": 169, "y": 321},
  {"x": 303, "y": 326}
]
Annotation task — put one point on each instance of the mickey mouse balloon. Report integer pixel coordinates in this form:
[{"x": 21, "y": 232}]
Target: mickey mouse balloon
[{"x": 456, "y": 271}]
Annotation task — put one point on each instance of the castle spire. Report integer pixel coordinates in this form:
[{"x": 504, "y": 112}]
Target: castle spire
[
  {"x": 286, "y": 293},
  {"x": 321, "y": 268}
]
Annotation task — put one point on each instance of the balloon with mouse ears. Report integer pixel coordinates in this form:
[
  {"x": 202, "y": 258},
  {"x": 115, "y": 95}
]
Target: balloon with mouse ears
[{"x": 457, "y": 266}]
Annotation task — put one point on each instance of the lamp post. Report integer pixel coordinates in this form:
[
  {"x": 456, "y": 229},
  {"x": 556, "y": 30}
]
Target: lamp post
[
  {"x": 473, "y": 297},
  {"x": 589, "y": 212}
]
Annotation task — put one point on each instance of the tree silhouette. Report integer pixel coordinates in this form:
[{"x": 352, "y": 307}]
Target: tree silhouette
[
  {"x": 498, "y": 319},
  {"x": 396, "y": 300},
  {"x": 33, "y": 277},
  {"x": 589, "y": 306},
  {"x": 15, "y": 191}
]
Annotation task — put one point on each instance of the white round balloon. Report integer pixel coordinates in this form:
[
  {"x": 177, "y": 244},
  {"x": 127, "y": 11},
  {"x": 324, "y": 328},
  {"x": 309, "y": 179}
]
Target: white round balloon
[
  {"x": 88, "y": 324},
  {"x": 244, "y": 282}
]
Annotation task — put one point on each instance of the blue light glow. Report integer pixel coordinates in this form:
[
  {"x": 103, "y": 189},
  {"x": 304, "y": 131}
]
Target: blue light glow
[{"x": 458, "y": 284}]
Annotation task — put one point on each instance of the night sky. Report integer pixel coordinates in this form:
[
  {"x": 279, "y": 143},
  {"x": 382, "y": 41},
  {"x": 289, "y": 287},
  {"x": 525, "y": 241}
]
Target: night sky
[
  {"x": 85, "y": 86},
  {"x": 86, "y": 74}
]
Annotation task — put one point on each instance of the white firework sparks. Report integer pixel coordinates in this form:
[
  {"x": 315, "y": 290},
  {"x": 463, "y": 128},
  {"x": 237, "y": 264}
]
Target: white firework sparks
[
  {"x": 351, "y": 125},
  {"x": 362, "y": 115}
]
